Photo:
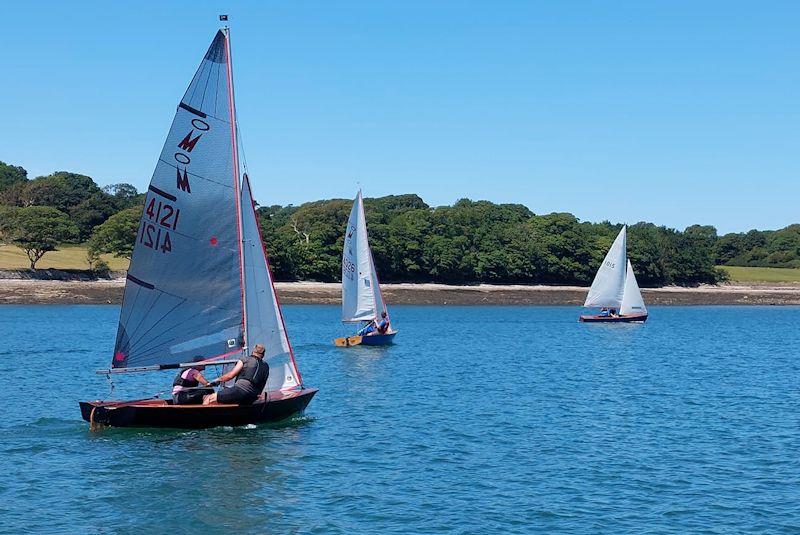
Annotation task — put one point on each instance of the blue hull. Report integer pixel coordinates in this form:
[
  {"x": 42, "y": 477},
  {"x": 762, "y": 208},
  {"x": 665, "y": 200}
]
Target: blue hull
[{"x": 378, "y": 339}]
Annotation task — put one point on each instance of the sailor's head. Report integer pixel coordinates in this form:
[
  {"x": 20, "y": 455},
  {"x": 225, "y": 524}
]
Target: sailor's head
[
  {"x": 199, "y": 358},
  {"x": 258, "y": 351},
  {"x": 383, "y": 315}
]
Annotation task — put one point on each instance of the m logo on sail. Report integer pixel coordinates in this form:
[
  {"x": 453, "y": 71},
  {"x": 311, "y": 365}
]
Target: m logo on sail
[
  {"x": 188, "y": 142},
  {"x": 183, "y": 181}
]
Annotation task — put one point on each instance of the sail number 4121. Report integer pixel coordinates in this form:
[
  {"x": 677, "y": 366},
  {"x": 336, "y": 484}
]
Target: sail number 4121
[{"x": 154, "y": 233}]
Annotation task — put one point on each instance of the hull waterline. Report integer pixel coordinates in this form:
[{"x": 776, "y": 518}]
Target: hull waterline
[
  {"x": 162, "y": 413},
  {"x": 378, "y": 339},
  {"x": 637, "y": 318},
  {"x": 373, "y": 340}
]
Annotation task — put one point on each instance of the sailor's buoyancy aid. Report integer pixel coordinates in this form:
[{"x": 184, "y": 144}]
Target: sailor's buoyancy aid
[
  {"x": 185, "y": 383},
  {"x": 254, "y": 374}
]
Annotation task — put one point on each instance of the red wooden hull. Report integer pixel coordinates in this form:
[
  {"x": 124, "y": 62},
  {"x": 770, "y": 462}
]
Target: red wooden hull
[
  {"x": 162, "y": 413},
  {"x": 640, "y": 318}
]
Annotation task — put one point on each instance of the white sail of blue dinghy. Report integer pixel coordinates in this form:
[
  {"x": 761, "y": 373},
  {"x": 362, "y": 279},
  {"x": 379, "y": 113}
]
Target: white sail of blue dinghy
[
  {"x": 609, "y": 284},
  {"x": 264, "y": 318},
  {"x": 632, "y": 302},
  {"x": 183, "y": 294},
  {"x": 362, "y": 299}
]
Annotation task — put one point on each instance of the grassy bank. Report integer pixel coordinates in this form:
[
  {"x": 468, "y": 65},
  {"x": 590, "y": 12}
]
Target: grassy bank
[
  {"x": 67, "y": 257},
  {"x": 762, "y": 274}
]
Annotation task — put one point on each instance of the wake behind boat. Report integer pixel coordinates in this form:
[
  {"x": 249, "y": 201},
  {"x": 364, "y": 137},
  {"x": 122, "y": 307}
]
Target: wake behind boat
[
  {"x": 615, "y": 288},
  {"x": 199, "y": 286},
  {"x": 362, "y": 299}
]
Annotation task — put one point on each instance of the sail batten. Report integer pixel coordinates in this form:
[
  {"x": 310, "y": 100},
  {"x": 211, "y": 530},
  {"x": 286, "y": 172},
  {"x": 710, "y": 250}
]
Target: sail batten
[
  {"x": 609, "y": 282},
  {"x": 362, "y": 299}
]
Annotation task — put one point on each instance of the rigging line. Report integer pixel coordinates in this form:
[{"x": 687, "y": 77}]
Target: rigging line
[
  {"x": 151, "y": 346},
  {"x": 161, "y": 346},
  {"x": 198, "y": 75},
  {"x": 132, "y": 306},
  {"x": 131, "y": 344},
  {"x": 216, "y": 93},
  {"x": 205, "y": 87},
  {"x": 138, "y": 325}
]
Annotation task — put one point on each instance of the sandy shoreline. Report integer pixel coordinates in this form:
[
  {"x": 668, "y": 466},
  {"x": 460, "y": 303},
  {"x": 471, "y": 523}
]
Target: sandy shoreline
[{"x": 17, "y": 291}]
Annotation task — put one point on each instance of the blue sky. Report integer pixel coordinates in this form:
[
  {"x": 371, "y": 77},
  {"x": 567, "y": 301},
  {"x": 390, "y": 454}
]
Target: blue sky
[{"x": 671, "y": 112}]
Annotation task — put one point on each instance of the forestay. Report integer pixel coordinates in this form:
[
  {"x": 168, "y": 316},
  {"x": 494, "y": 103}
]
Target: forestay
[
  {"x": 609, "y": 283},
  {"x": 264, "y": 318},
  {"x": 632, "y": 302},
  {"x": 362, "y": 299},
  {"x": 183, "y": 294}
]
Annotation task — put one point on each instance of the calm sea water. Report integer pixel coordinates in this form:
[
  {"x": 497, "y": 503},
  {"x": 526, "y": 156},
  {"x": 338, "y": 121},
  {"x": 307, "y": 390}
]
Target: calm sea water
[{"x": 480, "y": 419}]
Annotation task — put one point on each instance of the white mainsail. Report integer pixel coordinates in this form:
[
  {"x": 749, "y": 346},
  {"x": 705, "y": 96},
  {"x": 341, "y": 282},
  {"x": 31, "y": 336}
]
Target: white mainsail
[
  {"x": 264, "y": 318},
  {"x": 632, "y": 302},
  {"x": 609, "y": 283},
  {"x": 362, "y": 299},
  {"x": 183, "y": 293}
]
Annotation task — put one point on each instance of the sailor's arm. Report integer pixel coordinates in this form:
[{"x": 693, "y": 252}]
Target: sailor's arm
[
  {"x": 202, "y": 380},
  {"x": 231, "y": 374}
]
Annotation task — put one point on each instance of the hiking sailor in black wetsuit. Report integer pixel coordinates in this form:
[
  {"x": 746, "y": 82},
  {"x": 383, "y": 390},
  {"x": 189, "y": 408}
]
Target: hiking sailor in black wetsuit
[{"x": 251, "y": 375}]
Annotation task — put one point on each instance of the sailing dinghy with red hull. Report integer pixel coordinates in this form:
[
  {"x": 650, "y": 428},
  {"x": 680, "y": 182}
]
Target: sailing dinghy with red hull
[
  {"x": 615, "y": 288},
  {"x": 199, "y": 283},
  {"x": 362, "y": 299}
]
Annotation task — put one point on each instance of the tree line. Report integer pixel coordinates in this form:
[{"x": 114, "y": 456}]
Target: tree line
[{"x": 468, "y": 242}]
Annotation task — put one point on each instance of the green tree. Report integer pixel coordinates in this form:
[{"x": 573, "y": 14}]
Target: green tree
[
  {"x": 39, "y": 229},
  {"x": 10, "y": 174},
  {"x": 117, "y": 235}
]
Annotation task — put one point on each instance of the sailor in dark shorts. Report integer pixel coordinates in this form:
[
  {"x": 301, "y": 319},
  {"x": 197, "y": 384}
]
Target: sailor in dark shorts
[{"x": 251, "y": 375}]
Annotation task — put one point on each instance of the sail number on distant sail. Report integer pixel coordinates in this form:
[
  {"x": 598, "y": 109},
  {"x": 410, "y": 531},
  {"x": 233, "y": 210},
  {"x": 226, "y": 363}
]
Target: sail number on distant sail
[
  {"x": 162, "y": 215},
  {"x": 348, "y": 267}
]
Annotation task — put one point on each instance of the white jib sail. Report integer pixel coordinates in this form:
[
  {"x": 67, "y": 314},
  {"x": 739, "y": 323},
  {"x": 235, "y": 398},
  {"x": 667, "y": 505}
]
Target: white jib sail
[
  {"x": 361, "y": 296},
  {"x": 264, "y": 318},
  {"x": 632, "y": 302},
  {"x": 609, "y": 283}
]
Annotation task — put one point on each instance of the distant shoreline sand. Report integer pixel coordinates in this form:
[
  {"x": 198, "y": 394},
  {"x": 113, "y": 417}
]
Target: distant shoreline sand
[{"x": 20, "y": 291}]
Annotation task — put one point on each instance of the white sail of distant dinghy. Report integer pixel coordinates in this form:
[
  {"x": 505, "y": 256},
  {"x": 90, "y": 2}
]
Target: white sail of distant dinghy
[
  {"x": 632, "y": 302},
  {"x": 609, "y": 284},
  {"x": 362, "y": 299}
]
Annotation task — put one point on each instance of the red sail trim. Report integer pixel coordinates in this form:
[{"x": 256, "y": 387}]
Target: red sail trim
[
  {"x": 235, "y": 148},
  {"x": 272, "y": 285}
]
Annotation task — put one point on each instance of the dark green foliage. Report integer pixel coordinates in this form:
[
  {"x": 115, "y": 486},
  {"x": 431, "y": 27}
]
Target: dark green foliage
[
  {"x": 469, "y": 242},
  {"x": 476, "y": 241},
  {"x": 37, "y": 230},
  {"x": 10, "y": 175},
  {"x": 116, "y": 235},
  {"x": 760, "y": 248}
]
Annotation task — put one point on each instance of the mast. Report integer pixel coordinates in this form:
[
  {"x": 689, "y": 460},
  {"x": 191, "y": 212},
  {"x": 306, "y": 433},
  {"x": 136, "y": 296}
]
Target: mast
[{"x": 235, "y": 152}]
